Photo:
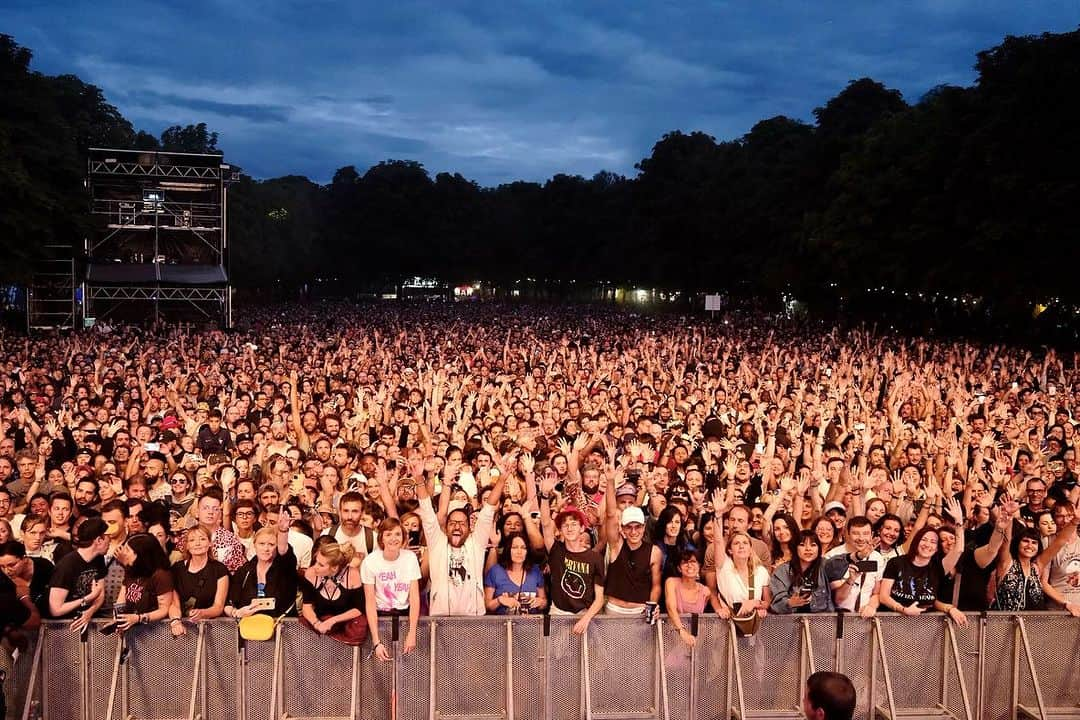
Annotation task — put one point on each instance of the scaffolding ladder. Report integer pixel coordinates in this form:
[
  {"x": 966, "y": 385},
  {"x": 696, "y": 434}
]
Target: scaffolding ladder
[{"x": 50, "y": 296}]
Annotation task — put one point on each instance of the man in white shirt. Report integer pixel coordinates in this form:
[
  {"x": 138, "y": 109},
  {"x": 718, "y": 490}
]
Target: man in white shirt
[
  {"x": 456, "y": 556},
  {"x": 855, "y": 568}
]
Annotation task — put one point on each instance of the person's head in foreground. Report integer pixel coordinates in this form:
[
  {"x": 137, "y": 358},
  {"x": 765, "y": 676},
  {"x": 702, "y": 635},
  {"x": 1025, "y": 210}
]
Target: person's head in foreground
[{"x": 829, "y": 696}]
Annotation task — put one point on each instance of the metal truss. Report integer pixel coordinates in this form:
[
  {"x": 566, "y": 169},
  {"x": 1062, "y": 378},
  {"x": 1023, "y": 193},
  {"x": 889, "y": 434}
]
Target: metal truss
[
  {"x": 149, "y": 292},
  {"x": 100, "y": 167},
  {"x": 219, "y": 298}
]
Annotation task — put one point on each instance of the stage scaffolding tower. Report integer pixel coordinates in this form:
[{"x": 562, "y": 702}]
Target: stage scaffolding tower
[{"x": 159, "y": 245}]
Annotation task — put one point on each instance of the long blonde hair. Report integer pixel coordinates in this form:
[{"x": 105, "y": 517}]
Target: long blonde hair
[{"x": 752, "y": 561}]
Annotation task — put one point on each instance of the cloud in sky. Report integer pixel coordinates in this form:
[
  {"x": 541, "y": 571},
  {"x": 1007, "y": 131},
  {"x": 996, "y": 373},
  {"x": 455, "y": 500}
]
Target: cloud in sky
[{"x": 498, "y": 91}]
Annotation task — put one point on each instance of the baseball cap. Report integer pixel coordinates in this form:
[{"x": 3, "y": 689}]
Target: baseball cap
[
  {"x": 632, "y": 514},
  {"x": 243, "y": 437},
  {"x": 679, "y": 493},
  {"x": 626, "y": 490},
  {"x": 834, "y": 505},
  {"x": 89, "y": 531}
]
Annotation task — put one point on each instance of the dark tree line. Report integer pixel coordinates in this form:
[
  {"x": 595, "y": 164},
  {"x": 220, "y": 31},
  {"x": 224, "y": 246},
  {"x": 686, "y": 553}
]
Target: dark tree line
[{"x": 967, "y": 190}]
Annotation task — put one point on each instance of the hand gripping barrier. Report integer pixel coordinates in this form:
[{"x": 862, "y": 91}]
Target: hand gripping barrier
[{"x": 536, "y": 668}]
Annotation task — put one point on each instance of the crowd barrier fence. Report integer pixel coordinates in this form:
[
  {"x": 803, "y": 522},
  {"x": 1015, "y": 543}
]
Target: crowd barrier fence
[{"x": 998, "y": 666}]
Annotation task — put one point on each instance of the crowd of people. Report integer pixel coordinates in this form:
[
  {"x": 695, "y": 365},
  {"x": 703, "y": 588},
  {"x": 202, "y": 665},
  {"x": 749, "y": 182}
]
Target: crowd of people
[{"x": 342, "y": 462}]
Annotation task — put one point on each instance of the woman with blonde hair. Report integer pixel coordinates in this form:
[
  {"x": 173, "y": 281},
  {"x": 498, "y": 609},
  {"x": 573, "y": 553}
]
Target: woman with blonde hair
[
  {"x": 741, "y": 580},
  {"x": 200, "y": 581},
  {"x": 333, "y": 593},
  {"x": 266, "y": 584}
]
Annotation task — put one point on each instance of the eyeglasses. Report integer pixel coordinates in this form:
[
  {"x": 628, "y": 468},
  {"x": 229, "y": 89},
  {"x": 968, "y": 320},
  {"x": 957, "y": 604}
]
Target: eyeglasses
[
  {"x": 176, "y": 480},
  {"x": 245, "y": 514}
]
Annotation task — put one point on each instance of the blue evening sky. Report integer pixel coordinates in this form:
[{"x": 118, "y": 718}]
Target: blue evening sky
[{"x": 499, "y": 90}]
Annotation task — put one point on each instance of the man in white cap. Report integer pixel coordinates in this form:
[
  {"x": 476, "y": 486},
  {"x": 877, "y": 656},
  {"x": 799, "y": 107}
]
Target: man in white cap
[{"x": 634, "y": 564}]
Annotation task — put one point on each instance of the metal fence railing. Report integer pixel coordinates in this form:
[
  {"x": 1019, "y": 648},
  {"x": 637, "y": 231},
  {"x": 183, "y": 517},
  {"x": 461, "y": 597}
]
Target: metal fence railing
[{"x": 535, "y": 668}]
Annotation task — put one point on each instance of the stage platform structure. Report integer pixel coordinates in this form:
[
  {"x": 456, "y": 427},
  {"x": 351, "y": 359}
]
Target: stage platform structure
[{"x": 159, "y": 244}]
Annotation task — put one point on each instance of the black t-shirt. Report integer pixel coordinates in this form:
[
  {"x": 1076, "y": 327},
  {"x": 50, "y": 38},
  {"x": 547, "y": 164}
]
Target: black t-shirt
[
  {"x": 912, "y": 583},
  {"x": 39, "y": 584},
  {"x": 210, "y": 442},
  {"x": 12, "y": 612},
  {"x": 1030, "y": 515},
  {"x": 77, "y": 576},
  {"x": 574, "y": 576},
  {"x": 197, "y": 590},
  {"x": 974, "y": 579}
]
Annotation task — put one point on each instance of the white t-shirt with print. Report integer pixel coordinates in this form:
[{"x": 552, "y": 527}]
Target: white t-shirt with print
[{"x": 391, "y": 578}]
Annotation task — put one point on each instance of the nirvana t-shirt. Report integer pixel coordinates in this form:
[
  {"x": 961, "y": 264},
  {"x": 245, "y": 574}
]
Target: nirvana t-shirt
[
  {"x": 77, "y": 576},
  {"x": 914, "y": 584},
  {"x": 197, "y": 590},
  {"x": 574, "y": 576}
]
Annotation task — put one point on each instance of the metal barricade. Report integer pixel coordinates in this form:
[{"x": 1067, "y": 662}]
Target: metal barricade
[
  {"x": 536, "y": 668},
  {"x": 1044, "y": 675}
]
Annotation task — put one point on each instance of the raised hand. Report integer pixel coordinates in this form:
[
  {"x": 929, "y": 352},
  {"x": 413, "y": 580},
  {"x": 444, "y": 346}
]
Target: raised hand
[
  {"x": 564, "y": 447},
  {"x": 952, "y": 506},
  {"x": 787, "y": 484}
]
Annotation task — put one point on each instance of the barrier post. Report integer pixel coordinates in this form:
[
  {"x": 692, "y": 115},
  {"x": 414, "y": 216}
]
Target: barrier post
[
  {"x": 394, "y": 630},
  {"x": 838, "y": 652},
  {"x": 545, "y": 659},
  {"x": 197, "y": 675},
  {"x": 692, "y": 694},
  {"x": 980, "y": 668},
  {"x": 354, "y": 682},
  {"x": 586, "y": 693},
  {"x": 431, "y": 669},
  {"x": 740, "y": 699},
  {"x": 84, "y": 675},
  {"x": 241, "y": 675},
  {"x": 663, "y": 670},
  {"x": 35, "y": 667},
  {"x": 884, "y": 670},
  {"x": 509, "y": 689},
  {"x": 873, "y": 673},
  {"x": 951, "y": 634}
]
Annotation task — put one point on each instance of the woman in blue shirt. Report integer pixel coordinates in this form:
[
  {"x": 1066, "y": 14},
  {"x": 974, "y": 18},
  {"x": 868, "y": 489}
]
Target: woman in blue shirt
[{"x": 514, "y": 584}]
